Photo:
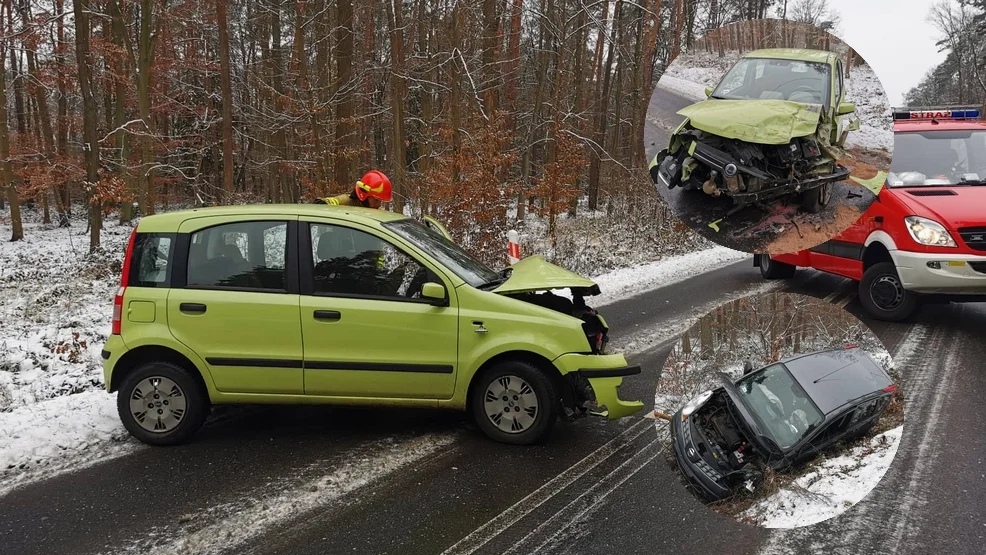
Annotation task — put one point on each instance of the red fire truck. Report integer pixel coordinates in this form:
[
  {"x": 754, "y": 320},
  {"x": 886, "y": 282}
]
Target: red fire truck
[{"x": 924, "y": 238}]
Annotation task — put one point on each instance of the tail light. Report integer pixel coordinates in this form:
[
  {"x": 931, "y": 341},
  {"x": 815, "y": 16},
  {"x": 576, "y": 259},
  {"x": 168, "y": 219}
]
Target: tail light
[{"x": 124, "y": 280}]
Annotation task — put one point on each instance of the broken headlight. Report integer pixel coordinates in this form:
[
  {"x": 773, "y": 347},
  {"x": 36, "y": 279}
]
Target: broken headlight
[
  {"x": 928, "y": 232},
  {"x": 696, "y": 402}
]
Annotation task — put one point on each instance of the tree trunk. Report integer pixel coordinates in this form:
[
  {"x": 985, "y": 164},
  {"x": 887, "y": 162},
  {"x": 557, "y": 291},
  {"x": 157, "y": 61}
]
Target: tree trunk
[
  {"x": 595, "y": 164},
  {"x": 343, "y": 52},
  {"x": 62, "y": 190},
  {"x": 17, "y": 228},
  {"x": 89, "y": 117},
  {"x": 227, "y": 99},
  {"x": 122, "y": 142},
  {"x": 652, "y": 28},
  {"x": 145, "y": 180},
  {"x": 397, "y": 88}
]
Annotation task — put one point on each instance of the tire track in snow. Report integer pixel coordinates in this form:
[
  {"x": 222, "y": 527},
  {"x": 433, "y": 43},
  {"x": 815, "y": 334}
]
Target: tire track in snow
[
  {"x": 205, "y": 533},
  {"x": 882, "y": 521}
]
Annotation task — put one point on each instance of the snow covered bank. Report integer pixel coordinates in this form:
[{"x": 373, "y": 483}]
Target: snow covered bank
[
  {"x": 682, "y": 87},
  {"x": 830, "y": 488}
]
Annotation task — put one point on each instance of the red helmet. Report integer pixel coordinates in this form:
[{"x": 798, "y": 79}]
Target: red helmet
[{"x": 374, "y": 184}]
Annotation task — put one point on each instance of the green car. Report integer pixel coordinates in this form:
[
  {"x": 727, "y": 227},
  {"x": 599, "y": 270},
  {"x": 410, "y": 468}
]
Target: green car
[
  {"x": 773, "y": 127},
  {"x": 305, "y": 304}
]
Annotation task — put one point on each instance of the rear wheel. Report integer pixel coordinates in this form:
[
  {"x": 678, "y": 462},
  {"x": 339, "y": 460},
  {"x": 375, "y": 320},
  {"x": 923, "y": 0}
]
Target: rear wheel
[
  {"x": 815, "y": 199},
  {"x": 772, "y": 269},
  {"x": 514, "y": 402},
  {"x": 883, "y": 295},
  {"x": 161, "y": 403}
]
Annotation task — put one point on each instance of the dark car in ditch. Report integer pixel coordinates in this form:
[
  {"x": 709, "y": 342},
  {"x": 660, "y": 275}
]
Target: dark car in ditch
[{"x": 777, "y": 417}]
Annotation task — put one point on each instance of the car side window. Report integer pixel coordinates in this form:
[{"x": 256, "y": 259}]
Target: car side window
[
  {"x": 348, "y": 261},
  {"x": 239, "y": 255}
]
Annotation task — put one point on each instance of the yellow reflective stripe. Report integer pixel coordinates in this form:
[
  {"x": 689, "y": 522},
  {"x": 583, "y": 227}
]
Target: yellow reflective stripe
[{"x": 333, "y": 201}]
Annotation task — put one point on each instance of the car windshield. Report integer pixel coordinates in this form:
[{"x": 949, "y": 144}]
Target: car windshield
[
  {"x": 769, "y": 79},
  {"x": 929, "y": 158},
  {"x": 452, "y": 256},
  {"x": 780, "y": 404}
]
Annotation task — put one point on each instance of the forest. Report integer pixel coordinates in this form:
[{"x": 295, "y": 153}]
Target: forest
[
  {"x": 961, "y": 77},
  {"x": 481, "y": 111}
]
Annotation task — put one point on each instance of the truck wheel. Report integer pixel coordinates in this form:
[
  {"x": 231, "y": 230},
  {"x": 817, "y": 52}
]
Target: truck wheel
[
  {"x": 815, "y": 199},
  {"x": 161, "y": 403},
  {"x": 513, "y": 402},
  {"x": 883, "y": 295},
  {"x": 772, "y": 269}
]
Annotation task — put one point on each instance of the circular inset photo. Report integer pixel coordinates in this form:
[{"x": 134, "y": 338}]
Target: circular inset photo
[
  {"x": 769, "y": 136},
  {"x": 779, "y": 410}
]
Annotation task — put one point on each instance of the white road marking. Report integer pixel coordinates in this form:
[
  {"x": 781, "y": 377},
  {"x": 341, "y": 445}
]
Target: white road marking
[{"x": 482, "y": 535}]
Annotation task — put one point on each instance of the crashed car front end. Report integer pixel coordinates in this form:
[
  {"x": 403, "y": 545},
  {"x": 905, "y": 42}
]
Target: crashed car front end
[{"x": 750, "y": 150}]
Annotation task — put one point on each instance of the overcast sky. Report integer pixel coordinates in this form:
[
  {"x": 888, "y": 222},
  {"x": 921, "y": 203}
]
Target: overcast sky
[{"x": 894, "y": 36}]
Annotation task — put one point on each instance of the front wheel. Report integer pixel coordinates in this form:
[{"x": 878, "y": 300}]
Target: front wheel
[
  {"x": 513, "y": 402},
  {"x": 161, "y": 403},
  {"x": 883, "y": 295},
  {"x": 815, "y": 199},
  {"x": 772, "y": 269}
]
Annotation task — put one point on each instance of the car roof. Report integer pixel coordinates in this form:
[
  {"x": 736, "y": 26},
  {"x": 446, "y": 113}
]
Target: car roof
[
  {"x": 170, "y": 221},
  {"x": 842, "y": 375},
  {"x": 802, "y": 54}
]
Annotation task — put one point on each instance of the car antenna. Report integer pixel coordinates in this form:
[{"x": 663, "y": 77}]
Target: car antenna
[{"x": 834, "y": 371}]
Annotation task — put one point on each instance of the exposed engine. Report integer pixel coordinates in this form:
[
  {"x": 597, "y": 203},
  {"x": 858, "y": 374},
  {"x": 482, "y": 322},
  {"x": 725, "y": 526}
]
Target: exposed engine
[
  {"x": 736, "y": 458},
  {"x": 593, "y": 326},
  {"x": 718, "y": 164}
]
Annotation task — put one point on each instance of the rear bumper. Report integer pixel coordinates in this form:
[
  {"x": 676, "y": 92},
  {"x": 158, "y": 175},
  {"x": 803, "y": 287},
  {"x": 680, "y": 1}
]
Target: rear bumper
[
  {"x": 112, "y": 351},
  {"x": 605, "y": 375},
  {"x": 955, "y": 274}
]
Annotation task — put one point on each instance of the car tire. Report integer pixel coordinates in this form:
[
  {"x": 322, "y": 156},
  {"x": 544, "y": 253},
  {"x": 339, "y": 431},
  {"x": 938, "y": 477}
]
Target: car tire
[
  {"x": 883, "y": 295},
  {"x": 525, "y": 387},
  {"x": 772, "y": 269},
  {"x": 815, "y": 199},
  {"x": 175, "y": 394}
]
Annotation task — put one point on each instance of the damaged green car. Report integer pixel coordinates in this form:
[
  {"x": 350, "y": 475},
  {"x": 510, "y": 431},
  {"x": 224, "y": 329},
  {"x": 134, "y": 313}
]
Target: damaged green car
[{"x": 773, "y": 127}]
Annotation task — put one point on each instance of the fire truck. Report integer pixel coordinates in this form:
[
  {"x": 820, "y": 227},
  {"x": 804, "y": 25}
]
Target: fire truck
[{"x": 924, "y": 237}]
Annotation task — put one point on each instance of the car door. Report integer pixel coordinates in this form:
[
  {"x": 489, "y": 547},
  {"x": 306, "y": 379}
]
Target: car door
[
  {"x": 367, "y": 332},
  {"x": 235, "y": 302}
]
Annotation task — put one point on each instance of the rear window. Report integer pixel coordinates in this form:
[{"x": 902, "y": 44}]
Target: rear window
[{"x": 150, "y": 263}]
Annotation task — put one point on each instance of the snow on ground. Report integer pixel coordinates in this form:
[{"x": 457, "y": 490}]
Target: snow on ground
[
  {"x": 628, "y": 282},
  {"x": 55, "y": 312},
  {"x": 831, "y": 487},
  {"x": 690, "y": 73}
]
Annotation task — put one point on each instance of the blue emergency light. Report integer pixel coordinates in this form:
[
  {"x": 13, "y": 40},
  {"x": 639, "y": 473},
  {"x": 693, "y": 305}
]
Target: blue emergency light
[{"x": 936, "y": 113}]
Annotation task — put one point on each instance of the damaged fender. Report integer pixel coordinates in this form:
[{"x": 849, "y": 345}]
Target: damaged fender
[{"x": 605, "y": 374}]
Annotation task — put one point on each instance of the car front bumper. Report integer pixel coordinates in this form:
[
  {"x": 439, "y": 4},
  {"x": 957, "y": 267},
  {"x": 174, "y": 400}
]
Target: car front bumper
[
  {"x": 952, "y": 274},
  {"x": 605, "y": 374},
  {"x": 699, "y": 473}
]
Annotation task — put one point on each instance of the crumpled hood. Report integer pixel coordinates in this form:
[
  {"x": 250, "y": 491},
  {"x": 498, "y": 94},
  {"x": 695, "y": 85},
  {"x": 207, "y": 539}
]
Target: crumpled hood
[
  {"x": 534, "y": 273},
  {"x": 962, "y": 209},
  {"x": 769, "y": 122}
]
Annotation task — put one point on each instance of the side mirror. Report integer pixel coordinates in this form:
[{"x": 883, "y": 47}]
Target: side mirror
[
  {"x": 435, "y": 292},
  {"x": 846, "y": 108},
  {"x": 747, "y": 367},
  {"x": 708, "y": 91}
]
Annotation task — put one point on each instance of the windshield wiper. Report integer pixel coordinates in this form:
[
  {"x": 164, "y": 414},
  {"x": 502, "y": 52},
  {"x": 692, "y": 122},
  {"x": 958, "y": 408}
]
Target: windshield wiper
[
  {"x": 965, "y": 181},
  {"x": 503, "y": 274}
]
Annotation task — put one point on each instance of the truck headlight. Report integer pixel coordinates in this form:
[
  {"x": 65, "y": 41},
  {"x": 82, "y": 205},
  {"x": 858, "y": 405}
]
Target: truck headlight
[{"x": 928, "y": 232}]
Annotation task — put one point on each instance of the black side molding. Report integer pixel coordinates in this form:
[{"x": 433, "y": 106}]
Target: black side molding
[
  {"x": 379, "y": 366},
  {"x": 610, "y": 372},
  {"x": 261, "y": 362},
  {"x": 105, "y": 354}
]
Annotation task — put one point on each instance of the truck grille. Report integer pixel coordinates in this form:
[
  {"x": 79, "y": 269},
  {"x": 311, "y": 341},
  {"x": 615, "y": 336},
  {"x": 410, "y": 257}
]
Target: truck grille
[{"x": 975, "y": 237}]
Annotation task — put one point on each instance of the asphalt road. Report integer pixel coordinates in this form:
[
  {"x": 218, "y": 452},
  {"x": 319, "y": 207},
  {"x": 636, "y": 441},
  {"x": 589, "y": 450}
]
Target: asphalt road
[
  {"x": 752, "y": 229},
  {"x": 596, "y": 487}
]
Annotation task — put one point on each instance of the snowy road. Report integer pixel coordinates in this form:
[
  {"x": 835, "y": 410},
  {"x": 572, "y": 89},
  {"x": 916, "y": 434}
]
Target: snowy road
[{"x": 317, "y": 480}]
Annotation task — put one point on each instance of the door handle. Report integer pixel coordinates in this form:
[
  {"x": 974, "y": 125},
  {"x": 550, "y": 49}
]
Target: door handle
[
  {"x": 192, "y": 307},
  {"x": 327, "y": 315}
]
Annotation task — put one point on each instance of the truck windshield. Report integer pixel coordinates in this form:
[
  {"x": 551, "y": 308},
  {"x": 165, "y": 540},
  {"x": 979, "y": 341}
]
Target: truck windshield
[
  {"x": 451, "y": 255},
  {"x": 930, "y": 158},
  {"x": 781, "y": 405},
  {"x": 770, "y": 79}
]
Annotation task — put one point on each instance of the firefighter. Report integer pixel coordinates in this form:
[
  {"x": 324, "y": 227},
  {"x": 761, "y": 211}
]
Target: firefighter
[{"x": 372, "y": 190}]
